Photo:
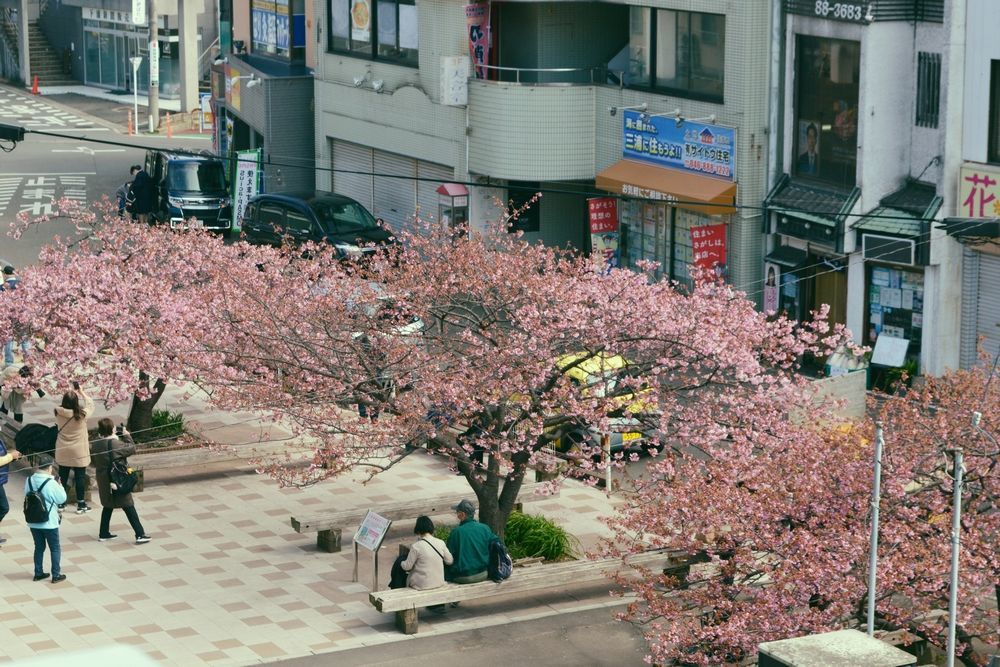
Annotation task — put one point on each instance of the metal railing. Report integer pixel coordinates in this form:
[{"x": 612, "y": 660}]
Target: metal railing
[
  {"x": 534, "y": 76},
  {"x": 205, "y": 64}
]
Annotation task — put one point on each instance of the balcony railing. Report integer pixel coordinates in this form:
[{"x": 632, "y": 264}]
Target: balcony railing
[{"x": 555, "y": 76}]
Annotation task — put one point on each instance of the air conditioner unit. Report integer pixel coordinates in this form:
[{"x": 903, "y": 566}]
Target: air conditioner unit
[{"x": 889, "y": 249}]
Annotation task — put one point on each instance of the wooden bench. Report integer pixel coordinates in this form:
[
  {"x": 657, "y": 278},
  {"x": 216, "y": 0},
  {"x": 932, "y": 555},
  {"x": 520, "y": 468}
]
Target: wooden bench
[
  {"x": 329, "y": 526},
  {"x": 406, "y": 601}
]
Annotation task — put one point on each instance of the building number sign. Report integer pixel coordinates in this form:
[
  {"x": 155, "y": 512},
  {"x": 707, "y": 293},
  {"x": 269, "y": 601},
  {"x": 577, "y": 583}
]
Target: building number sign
[{"x": 845, "y": 11}]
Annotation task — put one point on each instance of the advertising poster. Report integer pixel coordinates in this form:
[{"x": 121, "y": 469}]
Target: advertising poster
[
  {"x": 604, "y": 232},
  {"x": 477, "y": 21},
  {"x": 372, "y": 531},
  {"x": 361, "y": 21},
  {"x": 807, "y": 163},
  {"x": 708, "y": 244},
  {"x": 695, "y": 147},
  {"x": 154, "y": 62},
  {"x": 772, "y": 281},
  {"x": 245, "y": 183}
]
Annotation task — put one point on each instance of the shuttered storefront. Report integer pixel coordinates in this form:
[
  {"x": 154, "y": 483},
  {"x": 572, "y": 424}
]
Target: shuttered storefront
[
  {"x": 395, "y": 200},
  {"x": 980, "y": 305}
]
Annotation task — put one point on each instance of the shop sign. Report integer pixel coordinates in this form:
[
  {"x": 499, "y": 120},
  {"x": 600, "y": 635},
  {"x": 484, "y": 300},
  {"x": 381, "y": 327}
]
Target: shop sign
[
  {"x": 694, "y": 147},
  {"x": 245, "y": 182},
  {"x": 138, "y": 12},
  {"x": 477, "y": 23},
  {"x": 154, "y": 62},
  {"x": 269, "y": 23},
  {"x": 979, "y": 191},
  {"x": 708, "y": 244},
  {"x": 604, "y": 233}
]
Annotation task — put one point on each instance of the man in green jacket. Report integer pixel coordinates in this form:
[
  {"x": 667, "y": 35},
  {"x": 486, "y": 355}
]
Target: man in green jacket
[{"x": 469, "y": 545}]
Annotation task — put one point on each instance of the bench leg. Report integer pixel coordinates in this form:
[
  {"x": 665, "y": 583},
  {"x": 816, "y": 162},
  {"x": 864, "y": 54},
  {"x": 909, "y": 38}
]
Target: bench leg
[
  {"x": 406, "y": 621},
  {"x": 328, "y": 540}
]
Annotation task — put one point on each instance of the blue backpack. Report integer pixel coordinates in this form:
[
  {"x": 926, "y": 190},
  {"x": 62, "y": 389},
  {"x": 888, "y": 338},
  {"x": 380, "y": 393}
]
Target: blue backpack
[{"x": 500, "y": 566}]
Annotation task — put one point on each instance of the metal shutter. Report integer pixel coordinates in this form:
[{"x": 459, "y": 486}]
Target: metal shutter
[
  {"x": 427, "y": 196},
  {"x": 395, "y": 198},
  {"x": 347, "y": 158},
  {"x": 988, "y": 307},
  {"x": 970, "y": 287}
]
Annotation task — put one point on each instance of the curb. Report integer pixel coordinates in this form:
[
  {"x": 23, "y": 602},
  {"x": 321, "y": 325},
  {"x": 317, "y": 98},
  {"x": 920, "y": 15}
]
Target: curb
[{"x": 64, "y": 107}]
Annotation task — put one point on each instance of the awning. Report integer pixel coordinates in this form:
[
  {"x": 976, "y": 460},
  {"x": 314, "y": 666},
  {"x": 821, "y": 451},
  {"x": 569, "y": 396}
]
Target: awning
[
  {"x": 972, "y": 229},
  {"x": 703, "y": 194},
  {"x": 787, "y": 256},
  {"x": 453, "y": 190}
]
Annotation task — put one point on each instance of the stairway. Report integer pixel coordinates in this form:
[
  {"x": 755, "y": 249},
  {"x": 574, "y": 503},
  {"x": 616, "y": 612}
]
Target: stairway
[{"x": 45, "y": 62}]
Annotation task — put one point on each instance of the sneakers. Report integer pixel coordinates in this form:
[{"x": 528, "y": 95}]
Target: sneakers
[
  {"x": 39, "y": 577},
  {"x": 82, "y": 508},
  {"x": 59, "y": 577},
  {"x": 105, "y": 538},
  {"x": 142, "y": 539},
  {"x": 2, "y": 540}
]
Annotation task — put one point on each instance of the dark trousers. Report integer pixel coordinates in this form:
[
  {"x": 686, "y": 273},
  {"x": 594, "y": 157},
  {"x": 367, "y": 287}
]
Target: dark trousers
[
  {"x": 79, "y": 481},
  {"x": 41, "y": 537},
  {"x": 130, "y": 514},
  {"x": 18, "y": 416},
  {"x": 4, "y": 505}
]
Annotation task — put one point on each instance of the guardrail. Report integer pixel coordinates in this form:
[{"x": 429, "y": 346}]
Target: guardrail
[{"x": 542, "y": 76}]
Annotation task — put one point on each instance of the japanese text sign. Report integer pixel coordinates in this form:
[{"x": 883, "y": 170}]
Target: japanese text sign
[
  {"x": 372, "y": 531},
  {"x": 979, "y": 191},
  {"x": 695, "y": 147},
  {"x": 244, "y": 183},
  {"x": 477, "y": 23},
  {"x": 604, "y": 236},
  {"x": 708, "y": 243}
]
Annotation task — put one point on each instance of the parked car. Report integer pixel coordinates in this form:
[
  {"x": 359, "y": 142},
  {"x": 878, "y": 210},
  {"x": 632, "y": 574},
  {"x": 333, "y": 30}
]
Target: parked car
[
  {"x": 189, "y": 186},
  {"x": 321, "y": 216}
]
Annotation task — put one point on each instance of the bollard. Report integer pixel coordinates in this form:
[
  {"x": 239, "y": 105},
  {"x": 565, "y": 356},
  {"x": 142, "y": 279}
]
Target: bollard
[
  {"x": 170, "y": 129},
  {"x": 34, "y": 86}
]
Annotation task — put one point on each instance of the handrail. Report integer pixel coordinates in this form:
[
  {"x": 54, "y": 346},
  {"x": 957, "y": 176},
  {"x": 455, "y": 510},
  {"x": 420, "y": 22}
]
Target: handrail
[
  {"x": 552, "y": 75},
  {"x": 202, "y": 69}
]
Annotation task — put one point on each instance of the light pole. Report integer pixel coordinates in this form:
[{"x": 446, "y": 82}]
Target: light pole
[
  {"x": 956, "y": 528},
  {"x": 873, "y": 540},
  {"x": 136, "y": 61}
]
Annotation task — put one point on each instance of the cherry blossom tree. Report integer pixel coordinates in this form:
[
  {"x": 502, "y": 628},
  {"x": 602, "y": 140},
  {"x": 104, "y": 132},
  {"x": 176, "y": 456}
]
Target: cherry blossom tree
[{"x": 778, "y": 527}]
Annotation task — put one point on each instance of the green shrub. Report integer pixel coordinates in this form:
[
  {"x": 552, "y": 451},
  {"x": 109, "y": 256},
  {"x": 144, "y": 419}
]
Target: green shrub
[
  {"x": 529, "y": 536},
  {"x": 166, "y": 426}
]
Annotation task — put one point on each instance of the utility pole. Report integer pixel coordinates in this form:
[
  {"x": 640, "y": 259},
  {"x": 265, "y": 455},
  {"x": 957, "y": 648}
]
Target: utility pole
[
  {"x": 873, "y": 540},
  {"x": 154, "y": 67},
  {"x": 956, "y": 529}
]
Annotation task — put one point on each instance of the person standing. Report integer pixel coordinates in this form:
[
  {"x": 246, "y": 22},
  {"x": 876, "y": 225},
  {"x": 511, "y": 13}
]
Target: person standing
[
  {"x": 5, "y": 461},
  {"x": 141, "y": 194},
  {"x": 13, "y": 402},
  {"x": 104, "y": 451},
  {"x": 10, "y": 283},
  {"x": 73, "y": 442},
  {"x": 122, "y": 194},
  {"x": 47, "y": 532},
  {"x": 469, "y": 544}
]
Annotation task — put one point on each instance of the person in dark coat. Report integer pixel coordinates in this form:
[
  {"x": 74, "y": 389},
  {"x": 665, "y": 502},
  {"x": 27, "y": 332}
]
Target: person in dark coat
[
  {"x": 106, "y": 449},
  {"x": 141, "y": 195}
]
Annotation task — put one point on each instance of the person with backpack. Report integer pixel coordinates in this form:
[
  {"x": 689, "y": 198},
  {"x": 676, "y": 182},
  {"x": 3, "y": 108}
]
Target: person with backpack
[
  {"x": 73, "y": 442},
  {"x": 5, "y": 461},
  {"x": 10, "y": 283},
  {"x": 469, "y": 544},
  {"x": 104, "y": 451},
  {"x": 42, "y": 496}
]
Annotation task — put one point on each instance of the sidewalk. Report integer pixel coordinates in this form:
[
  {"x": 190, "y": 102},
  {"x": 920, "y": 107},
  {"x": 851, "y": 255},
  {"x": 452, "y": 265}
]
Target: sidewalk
[{"x": 226, "y": 581}]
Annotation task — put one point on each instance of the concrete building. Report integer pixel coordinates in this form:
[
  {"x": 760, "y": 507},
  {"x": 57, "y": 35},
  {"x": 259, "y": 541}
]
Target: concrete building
[
  {"x": 653, "y": 103},
  {"x": 860, "y": 181}
]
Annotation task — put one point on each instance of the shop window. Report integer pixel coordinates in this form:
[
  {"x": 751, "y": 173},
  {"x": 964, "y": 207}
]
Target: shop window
[
  {"x": 679, "y": 53},
  {"x": 928, "y": 88},
  {"x": 826, "y": 131},
  {"x": 383, "y": 30},
  {"x": 895, "y": 305},
  {"x": 993, "y": 145}
]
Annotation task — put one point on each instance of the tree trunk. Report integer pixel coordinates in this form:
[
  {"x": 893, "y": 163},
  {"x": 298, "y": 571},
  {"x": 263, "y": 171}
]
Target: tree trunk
[
  {"x": 140, "y": 416},
  {"x": 496, "y": 502}
]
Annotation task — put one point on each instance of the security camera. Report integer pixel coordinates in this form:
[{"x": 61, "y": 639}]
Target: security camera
[
  {"x": 378, "y": 85},
  {"x": 612, "y": 111},
  {"x": 358, "y": 81}
]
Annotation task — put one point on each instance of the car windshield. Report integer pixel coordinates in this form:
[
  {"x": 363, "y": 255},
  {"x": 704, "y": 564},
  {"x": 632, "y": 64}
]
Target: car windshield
[
  {"x": 196, "y": 177},
  {"x": 338, "y": 217}
]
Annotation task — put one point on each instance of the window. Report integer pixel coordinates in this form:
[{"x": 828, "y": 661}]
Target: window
[
  {"x": 272, "y": 216},
  {"x": 277, "y": 28},
  {"x": 928, "y": 88},
  {"x": 826, "y": 131},
  {"x": 993, "y": 144},
  {"x": 682, "y": 53},
  {"x": 392, "y": 24},
  {"x": 297, "y": 222}
]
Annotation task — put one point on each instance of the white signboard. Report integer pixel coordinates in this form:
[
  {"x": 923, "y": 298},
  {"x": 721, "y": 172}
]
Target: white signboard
[
  {"x": 245, "y": 183},
  {"x": 154, "y": 62},
  {"x": 138, "y": 12},
  {"x": 890, "y": 351},
  {"x": 372, "y": 531},
  {"x": 454, "y": 80}
]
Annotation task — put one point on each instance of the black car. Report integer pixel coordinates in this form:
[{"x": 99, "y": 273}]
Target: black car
[
  {"x": 321, "y": 216},
  {"x": 189, "y": 186}
]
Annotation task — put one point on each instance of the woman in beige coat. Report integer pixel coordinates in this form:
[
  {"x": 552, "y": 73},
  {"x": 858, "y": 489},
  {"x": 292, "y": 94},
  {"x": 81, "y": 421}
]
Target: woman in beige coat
[{"x": 73, "y": 443}]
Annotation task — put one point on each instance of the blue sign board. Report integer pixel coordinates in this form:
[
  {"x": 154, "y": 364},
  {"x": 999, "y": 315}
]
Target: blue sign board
[{"x": 709, "y": 150}]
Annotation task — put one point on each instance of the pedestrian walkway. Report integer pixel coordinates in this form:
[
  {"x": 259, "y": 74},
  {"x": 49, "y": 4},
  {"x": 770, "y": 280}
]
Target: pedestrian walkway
[{"x": 226, "y": 581}]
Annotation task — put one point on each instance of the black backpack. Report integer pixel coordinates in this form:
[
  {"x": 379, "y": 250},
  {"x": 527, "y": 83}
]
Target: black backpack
[
  {"x": 500, "y": 566},
  {"x": 35, "y": 510}
]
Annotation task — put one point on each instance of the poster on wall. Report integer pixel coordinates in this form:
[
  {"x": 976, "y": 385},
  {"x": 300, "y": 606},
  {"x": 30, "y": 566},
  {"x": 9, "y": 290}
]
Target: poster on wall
[
  {"x": 772, "y": 278},
  {"x": 245, "y": 182},
  {"x": 708, "y": 245},
  {"x": 604, "y": 233},
  {"x": 361, "y": 21},
  {"x": 477, "y": 22},
  {"x": 807, "y": 163}
]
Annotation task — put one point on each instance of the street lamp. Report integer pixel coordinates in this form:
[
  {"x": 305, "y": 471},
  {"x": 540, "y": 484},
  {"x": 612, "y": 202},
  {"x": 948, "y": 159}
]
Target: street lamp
[{"x": 135, "y": 60}]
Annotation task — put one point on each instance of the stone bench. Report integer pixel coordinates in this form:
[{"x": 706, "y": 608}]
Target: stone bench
[
  {"x": 329, "y": 525},
  {"x": 406, "y": 601}
]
